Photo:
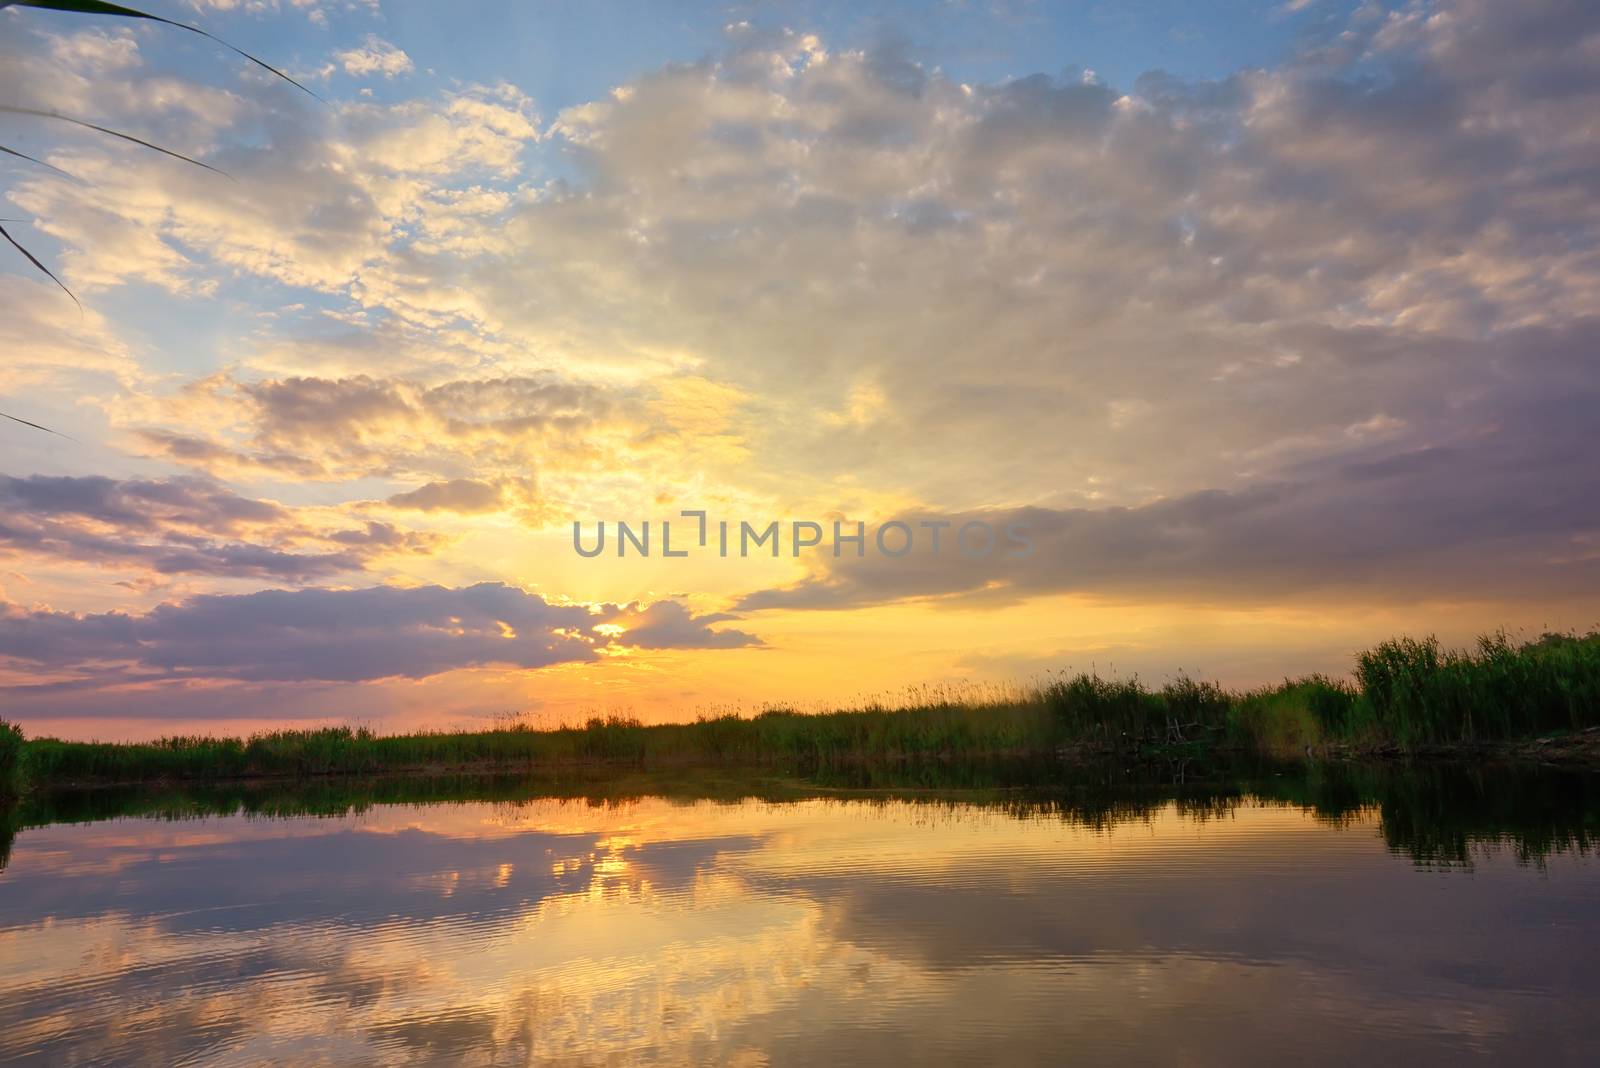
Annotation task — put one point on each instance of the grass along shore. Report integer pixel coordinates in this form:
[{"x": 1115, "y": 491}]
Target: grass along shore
[{"x": 1405, "y": 695}]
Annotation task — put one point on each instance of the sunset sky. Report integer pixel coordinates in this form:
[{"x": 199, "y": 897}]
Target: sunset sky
[{"x": 1275, "y": 323}]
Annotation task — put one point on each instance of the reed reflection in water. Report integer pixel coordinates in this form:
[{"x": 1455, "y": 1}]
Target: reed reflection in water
[{"x": 886, "y": 930}]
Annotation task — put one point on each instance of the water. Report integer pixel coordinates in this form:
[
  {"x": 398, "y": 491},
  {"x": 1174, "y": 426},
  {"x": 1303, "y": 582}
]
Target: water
[{"x": 1320, "y": 918}]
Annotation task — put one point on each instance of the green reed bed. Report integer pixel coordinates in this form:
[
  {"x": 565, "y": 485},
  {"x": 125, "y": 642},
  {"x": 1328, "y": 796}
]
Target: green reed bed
[
  {"x": 12, "y": 747},
  {"x": 773, "y": 736},
  {"x": 1403, "y": 693},
  {"x": 1416, "y": 692}
]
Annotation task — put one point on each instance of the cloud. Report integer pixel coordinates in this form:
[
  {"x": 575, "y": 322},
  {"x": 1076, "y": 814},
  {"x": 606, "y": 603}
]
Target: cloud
[
  {"x": 592, "y": 444},
  {"x": 183, "y": 525},
  {"x": 375, "y": 56},
  {"x": 333, "y": 635},
  {"x": 1323, "y": 326},
  {"x": 1078, "y": 293},
  {"x": 464, "y": 495},
  {"x": 1387, "y": 512},
  {"x": 323, "y": 197},
  {"x": 1241, "y": 264},
  {"x": 671, "y": 625},
  {"x": 343, "y": 428},
  {"x": 297, "y": 411},
  {"x": 49, "y": 343},
  {"x": 140, "y": 506}
]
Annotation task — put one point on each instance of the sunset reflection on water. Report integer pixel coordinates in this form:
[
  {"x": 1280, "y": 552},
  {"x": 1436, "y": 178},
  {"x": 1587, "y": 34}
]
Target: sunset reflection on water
[{"x": 757, "y": 932}]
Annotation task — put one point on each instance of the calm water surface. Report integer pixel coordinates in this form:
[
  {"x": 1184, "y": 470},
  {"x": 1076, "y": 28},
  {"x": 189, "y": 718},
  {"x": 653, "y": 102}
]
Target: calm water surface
[{"x": 819, "y": 930}]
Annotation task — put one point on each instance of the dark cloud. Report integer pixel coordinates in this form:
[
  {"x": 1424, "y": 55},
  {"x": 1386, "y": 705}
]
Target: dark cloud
[
  {"x": 185, "y": 525},
  {"x": 135, "y": 504},
  {"x": 343, "y": 635}
]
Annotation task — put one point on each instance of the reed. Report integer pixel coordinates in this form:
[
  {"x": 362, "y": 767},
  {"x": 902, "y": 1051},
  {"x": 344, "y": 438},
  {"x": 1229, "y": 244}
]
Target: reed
[
  {"x": 11, "y": 750},
  {"x": 1407, "y": 693},
  {"x": 1420, "y": 693}
]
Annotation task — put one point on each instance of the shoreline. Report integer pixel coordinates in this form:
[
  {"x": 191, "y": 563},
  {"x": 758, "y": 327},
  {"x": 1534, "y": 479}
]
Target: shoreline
[
  {"x": 1409, "y": 700},
  {"x": 1570, "y": 749}
]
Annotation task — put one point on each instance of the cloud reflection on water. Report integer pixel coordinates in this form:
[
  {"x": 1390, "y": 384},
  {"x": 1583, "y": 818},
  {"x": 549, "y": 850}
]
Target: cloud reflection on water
[{"x": 761, "y": 933}]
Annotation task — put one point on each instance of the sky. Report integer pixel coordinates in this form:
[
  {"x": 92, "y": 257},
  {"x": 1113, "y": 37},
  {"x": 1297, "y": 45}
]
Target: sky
[{"x": 1271, "y": 325}]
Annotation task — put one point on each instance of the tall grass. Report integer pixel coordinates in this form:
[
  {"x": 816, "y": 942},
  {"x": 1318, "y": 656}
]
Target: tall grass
[
  {"x": 1121, "y": 711},
  {"x": 772, "y": 737},
  {"x": 1421, "y": 693},
  {"x": 1299, "y": 714},
  {"x": 1405, "y": 692},
  {"x": 11, "y": 749}
]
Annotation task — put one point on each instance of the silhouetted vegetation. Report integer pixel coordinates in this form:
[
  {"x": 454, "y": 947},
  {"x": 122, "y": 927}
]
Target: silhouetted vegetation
[
  {"x": 1437, "y": 814},
  {"x": 11, "y": 748},
  {"x": 1406, "y": 694}
]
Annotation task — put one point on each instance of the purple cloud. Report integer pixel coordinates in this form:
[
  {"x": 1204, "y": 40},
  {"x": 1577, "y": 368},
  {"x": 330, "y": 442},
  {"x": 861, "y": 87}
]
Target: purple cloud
[
  {"x": 185, "y": 525},
  {"x": 344, "y": 635}
]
